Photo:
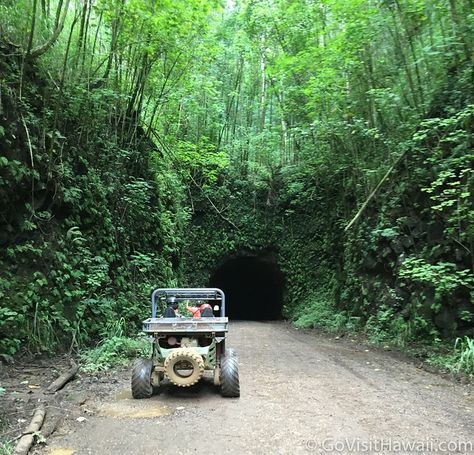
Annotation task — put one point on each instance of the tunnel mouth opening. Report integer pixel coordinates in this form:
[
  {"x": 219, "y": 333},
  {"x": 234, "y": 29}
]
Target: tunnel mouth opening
[{"x": 253, "y": 287}]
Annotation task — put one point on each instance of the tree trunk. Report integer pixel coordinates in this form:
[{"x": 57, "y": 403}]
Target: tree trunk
[{"x": 60, "y": 19}]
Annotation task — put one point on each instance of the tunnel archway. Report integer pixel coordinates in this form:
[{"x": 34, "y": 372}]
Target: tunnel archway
[{"x": 253, "y": 288}]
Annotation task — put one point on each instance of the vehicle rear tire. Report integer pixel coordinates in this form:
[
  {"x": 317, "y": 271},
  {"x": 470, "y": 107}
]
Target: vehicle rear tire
[
  {"x": 174, "y": 366},
  {"x": 230, "y": 385},
  {"x": 141, "y": 379}
]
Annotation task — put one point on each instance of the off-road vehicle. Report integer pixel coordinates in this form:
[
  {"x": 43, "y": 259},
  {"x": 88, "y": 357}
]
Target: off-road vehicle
[{"x": 185, "y": 348}]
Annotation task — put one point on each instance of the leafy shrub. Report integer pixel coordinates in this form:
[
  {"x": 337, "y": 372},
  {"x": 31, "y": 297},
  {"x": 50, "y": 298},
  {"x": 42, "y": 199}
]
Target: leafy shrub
[
  {"x": 115, "y": 348},
  {"x": 319, "y": 311},
  {"x": 459, "y": 360},
  {"x": 444, "y": 277},
  {"x": 114, "y": 351}
]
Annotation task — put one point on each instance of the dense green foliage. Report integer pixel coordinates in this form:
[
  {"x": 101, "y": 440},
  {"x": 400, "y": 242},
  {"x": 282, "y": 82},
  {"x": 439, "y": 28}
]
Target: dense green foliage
[
  {"x": 326, "y": 100},
  {"x": 142, "y": 143},
  {"x": 92, "y": 216},
  {"x": 116, "y": 348}
]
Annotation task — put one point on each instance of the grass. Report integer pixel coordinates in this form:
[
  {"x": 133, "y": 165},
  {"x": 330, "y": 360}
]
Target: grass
[
  {"x": 115, "y": 349},
  {"x": 6, "y": 447},
  {"x": 457, "y": 360},
  {"x": 320, "y": 312},
  {"x": 465, "y": 350}
]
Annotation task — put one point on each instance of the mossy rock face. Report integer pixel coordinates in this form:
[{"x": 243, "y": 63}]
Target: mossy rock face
[
  {"x": 435, "y": 232},
  {"x": 408, "y": 241},
  {"x": 370, "y": 262},
  {"x": 445, "y": 320}
]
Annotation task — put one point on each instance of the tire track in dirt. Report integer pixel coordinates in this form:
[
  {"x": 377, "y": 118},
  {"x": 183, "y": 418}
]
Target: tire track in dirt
[{"x": 299, "y": 390}]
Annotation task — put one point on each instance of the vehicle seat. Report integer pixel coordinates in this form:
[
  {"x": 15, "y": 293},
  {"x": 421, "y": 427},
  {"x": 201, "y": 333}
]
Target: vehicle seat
[
  {"x": 169, "y": 313},
  {"x": 207, "y": 313}
]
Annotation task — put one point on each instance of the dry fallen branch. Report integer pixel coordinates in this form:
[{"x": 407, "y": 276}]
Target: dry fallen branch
[
  {"x": 62, "y": 380},
  {"x": 50, "y": 424},
  {"x": 375, "y": 191},
  {"x": 26, "y": 440}
]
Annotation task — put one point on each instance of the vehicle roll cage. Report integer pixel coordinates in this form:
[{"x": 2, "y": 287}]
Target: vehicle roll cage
[{"x": 180, "y": 294}]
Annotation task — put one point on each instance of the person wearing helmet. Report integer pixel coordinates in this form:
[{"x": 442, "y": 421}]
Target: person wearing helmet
[
  {"x": 204, "y": 310},
  {"x": 172, "y": 309}
]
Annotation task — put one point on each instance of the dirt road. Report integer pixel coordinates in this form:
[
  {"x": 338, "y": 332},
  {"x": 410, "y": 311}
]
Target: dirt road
[{"x": 301, "y": 393}]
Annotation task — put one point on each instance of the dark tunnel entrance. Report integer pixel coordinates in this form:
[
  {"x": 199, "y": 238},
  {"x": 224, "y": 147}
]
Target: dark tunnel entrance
[{"x": 253, "y": 288}]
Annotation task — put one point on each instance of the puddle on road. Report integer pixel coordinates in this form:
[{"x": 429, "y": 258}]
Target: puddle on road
[
  {"x": 125, "y": 394},
  {"x": 124, "y": 406},
  {"x": 61, "y": 451},
  {"x": 129, "y": 412}
]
